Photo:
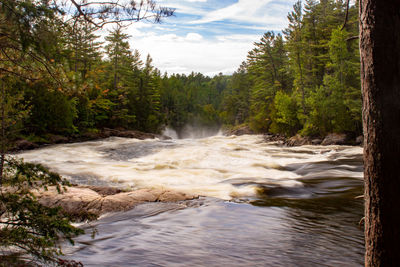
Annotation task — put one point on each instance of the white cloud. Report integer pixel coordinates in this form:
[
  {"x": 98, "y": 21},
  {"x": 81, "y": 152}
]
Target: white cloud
[
  {"x": 249, "y": 11},
  {"x": 192, "y": 36},
  {"x": 183, "y": 47},
  {"x": 177, "y": 54},
  {"x": 239, "y": 37}
]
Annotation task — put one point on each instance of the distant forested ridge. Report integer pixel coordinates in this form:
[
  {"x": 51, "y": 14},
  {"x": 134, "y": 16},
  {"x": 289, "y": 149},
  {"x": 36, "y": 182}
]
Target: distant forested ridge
[{"x": 305, "y": 80}]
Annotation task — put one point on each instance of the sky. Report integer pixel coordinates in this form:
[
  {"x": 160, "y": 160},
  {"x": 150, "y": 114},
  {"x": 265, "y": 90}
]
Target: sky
[{"x": 207, "y": 36}]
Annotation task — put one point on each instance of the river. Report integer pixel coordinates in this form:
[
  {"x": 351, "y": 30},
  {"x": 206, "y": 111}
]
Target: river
[{"x": 262, "y": 204}]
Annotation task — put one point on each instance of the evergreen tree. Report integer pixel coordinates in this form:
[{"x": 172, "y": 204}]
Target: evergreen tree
[
  {"x": 148, "y": 105},
  {"x": 296, "y": 47},
  {"x": 267, "y": 66},
  {"x": 120, "y": 65},
  {"x": 236, "y": 98}
]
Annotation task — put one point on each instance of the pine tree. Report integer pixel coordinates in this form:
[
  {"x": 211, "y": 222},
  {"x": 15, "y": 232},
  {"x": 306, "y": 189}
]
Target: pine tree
[
  {"x": 120, "y": 64},
  {"x": 267, "y": 66},
  {"x": 148, "y": 106},
  {"x": 236, "y": 98},
  {"x": 296, "y": 47}
]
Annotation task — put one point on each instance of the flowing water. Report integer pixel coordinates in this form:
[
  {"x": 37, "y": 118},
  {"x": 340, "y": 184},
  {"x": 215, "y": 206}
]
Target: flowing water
[{"x": 262, "y": 204}]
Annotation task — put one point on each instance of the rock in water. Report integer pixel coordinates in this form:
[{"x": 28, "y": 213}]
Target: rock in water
[
  {"x": 85, "y": 200},
  {"x": 298, "y": 140},
  {"x": 335, "y": 139},
  {"x": 238, "y": 130}
]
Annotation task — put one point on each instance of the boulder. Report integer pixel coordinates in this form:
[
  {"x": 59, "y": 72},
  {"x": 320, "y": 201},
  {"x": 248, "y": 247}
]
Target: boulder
[
  {"x": 238, "y": 130},
  {"x": 298, "y": 140},
  {"x": 335, "y": 139},
  {"x": 99, "y": 200},
  {"x": 129, "y": 134},
  {"x": 86, "y": 136},
  {"x": 316, "y": 141},
  {"x": 25, "y": 145},
  {"x": 104, "y": 190},
  {"x": 173, "y": 196},
  {"x": 57, "y": 139},
  {"x": 274, "y": 138}
]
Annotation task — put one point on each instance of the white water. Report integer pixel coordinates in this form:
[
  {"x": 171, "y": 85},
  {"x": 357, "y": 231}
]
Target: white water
[
  {"x": 218, "y": 166},
  {"x": 170, "y": 133},
  {"x": 304, "y": 210}
]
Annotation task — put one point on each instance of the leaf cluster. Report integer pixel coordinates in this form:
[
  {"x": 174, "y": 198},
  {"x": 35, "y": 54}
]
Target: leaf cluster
[{"x": 25, "y": 224}]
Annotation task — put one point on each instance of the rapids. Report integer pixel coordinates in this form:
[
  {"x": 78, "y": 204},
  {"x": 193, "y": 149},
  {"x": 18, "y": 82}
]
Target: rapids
[{"x": 262, "y": 204}]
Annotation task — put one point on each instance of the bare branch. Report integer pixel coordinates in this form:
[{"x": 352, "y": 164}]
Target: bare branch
[
  {"x": 100, "y": 13},
  {"x": 347, "y": 15},
  {"x": 352, "y": 38},
  {"x": 17, "y": 74}
]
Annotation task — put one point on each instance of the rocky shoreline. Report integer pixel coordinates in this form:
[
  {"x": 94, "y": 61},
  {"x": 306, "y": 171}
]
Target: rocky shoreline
[
  {"x": 23, "y": 144},
  {"x": 330, "y": 139},
  {"x": 298, "y": 140},
  {"x": 83, "y": 202}
]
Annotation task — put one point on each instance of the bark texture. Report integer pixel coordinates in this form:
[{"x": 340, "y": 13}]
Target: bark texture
[{"x": 380, "y": 78}]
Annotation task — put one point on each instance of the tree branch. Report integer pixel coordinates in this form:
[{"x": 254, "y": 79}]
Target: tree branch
[
  {"x": 352, "y": 38},
  {"x": 101, "y": 13},
  {"x": 347, "y": 15}
]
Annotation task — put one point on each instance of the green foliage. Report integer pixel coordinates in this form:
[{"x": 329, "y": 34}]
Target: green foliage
[
  {"x": 12, "y": 112},
  {"x": 335, "y": 106},
  {"x": 25, "y": 224},
  {"x": 51, "y": 110},
  {"x": 305, "y": 81},
  {"x": 193, "y": 99},
  {"x": 54, "y": 79},
  {"x": 236, "y": 97},
  {"x": 284, "y": 117},
  {"x": 308, "y": 82}
]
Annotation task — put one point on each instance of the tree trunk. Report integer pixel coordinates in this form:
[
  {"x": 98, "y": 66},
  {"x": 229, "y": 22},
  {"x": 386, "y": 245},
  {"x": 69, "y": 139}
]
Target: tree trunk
[
  {"x": 380, "y": 80},
  {"x": 2, "y": 133},
  {"x": 303, "y": 98}
]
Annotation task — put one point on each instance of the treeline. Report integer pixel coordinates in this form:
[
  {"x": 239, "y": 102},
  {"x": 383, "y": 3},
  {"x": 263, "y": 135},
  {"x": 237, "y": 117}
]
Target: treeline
[
  {"x": 305, "y": 81},
  {"x": 96, "y": 85},
  {"x": 194, "y": 100}
]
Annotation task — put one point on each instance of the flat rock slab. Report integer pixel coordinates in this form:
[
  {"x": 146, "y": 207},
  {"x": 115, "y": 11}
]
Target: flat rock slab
[{"x": 81, "y": 200}]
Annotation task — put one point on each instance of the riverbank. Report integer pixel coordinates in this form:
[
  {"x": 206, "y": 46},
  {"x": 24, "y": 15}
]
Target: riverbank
[
  {"x": 298, "y": 140},
  {"x": 51, "y": 139}
]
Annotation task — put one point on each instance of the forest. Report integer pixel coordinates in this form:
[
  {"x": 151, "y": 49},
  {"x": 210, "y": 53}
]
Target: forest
[
  {"x": 59, "y": 79},
  {"x": 304, "y": 80}
]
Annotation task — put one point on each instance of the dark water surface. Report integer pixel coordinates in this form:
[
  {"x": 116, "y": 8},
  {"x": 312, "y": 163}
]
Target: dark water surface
[{"x": 210, "y": 232}]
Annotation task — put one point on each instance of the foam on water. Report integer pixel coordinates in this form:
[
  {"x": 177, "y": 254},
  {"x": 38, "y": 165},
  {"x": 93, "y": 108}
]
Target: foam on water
[{"x": 214, "y": 166}]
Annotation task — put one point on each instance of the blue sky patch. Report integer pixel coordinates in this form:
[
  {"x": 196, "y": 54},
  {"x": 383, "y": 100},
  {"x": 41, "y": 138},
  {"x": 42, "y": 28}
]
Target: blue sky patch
[{"x": 208, "y": 36}]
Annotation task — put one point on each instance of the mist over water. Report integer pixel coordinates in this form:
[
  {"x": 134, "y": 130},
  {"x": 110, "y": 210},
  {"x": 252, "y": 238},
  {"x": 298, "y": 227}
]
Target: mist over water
[
  {"x": 195, "y": 132},
  {"x": 170, "y": 133},
  {"x": 262, "y": 205},
  {"x": 192, "y": 131}
]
